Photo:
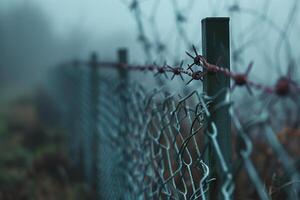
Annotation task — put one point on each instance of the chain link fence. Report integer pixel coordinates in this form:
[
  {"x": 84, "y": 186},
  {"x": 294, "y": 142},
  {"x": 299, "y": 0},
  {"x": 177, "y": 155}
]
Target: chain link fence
[
  {"x": 133, "y": 142},
  {"x": 155, "y": 144}
]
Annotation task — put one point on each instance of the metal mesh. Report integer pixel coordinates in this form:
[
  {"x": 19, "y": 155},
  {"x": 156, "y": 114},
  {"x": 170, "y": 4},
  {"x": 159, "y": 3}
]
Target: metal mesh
[
  {"x": 153, "y": 144},
  {"x": 159, "y": 137},
  {"x": 157, "y": 144}
]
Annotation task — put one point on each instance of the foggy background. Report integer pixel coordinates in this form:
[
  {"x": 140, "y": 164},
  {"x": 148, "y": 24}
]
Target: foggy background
[{"x": 36, "y": 35}]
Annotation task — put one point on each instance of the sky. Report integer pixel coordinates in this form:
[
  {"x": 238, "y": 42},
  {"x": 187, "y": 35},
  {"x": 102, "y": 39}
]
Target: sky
[
  {"x": 106, "y": 25},
  {"x": 95, "y": 19},
  {"x": 90, "y": 15},
  {"x": 110, "y": 20}
]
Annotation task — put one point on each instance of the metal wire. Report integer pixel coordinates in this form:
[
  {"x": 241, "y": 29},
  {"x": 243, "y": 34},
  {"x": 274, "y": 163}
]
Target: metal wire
[{"x": 153, "y": 144}]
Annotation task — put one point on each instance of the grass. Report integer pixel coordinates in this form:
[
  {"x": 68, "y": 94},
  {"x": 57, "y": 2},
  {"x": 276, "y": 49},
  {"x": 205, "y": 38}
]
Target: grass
[{"x": 33, "y": 161}]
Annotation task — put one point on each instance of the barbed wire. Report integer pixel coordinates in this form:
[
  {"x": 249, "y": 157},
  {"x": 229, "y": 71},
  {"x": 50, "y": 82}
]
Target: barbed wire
[
  {"x": 247, "y": 37},
  {"x": 284, "y": 86}
]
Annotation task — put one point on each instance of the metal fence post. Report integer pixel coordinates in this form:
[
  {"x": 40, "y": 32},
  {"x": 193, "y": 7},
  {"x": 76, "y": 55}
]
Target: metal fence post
[
  {"x": 123, "y": 59},
  {"x": 216, "y": 49},
  {"x": 123, "y": 76},
  {"x": 94, "y": 84}
]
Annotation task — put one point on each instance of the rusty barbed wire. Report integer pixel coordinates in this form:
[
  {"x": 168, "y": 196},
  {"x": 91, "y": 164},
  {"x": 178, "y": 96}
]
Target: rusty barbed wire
[
  {"x": 284, "y": 85},
  {"x": 249, "y": 35}
]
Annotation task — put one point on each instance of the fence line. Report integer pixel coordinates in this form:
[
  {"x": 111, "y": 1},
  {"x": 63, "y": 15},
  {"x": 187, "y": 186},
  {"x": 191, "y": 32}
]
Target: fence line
[{"x": 134, "y": 144}]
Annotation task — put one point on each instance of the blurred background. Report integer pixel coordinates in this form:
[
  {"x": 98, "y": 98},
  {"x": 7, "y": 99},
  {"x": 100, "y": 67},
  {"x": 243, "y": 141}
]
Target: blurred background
[{"x": 37, "y": 36}]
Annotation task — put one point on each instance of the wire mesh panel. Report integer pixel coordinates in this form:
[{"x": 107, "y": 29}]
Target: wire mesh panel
[
  {"x": 153, "y": 144},
  {"x": 162, "y": 147},
  {"x": 138, "y": 143},
  {"x": 161, "y": 139},
  {"x": 110, "y": 172}
]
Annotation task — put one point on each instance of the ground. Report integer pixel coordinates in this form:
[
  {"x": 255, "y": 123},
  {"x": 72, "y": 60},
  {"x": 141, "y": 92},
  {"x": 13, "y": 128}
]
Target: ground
[{"x": 33, "y": 157}]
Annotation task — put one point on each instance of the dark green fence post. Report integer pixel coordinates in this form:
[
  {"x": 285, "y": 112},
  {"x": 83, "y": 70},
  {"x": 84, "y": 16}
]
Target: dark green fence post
[
  {"x": 123, "y": 77},
  {"x": 216, "y": 49},
  {"x": 94, "y": 81},
  {"x": 123, "y": 59}
]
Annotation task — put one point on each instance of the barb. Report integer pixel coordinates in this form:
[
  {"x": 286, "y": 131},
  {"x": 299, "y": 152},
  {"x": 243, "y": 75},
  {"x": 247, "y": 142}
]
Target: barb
[{"x": 283, "y": 87}]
